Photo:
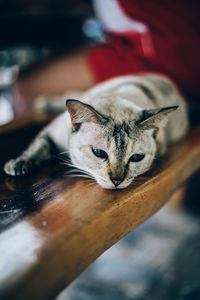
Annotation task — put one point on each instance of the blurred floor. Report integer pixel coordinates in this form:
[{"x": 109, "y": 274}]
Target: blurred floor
[{"x": 159, "y": 260}]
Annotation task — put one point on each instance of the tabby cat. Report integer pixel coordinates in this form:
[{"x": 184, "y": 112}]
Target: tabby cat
[{"x": 114, "y": 131}]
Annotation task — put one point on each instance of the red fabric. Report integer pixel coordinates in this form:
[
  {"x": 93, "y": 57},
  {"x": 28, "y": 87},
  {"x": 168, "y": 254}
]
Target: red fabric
[{"x": 174, "y": 28}]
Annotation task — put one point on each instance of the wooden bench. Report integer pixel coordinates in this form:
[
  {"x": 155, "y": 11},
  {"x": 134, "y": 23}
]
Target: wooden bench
[{"x": 54, "y": 226}]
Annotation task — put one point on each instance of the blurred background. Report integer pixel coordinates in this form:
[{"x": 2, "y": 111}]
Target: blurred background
[
  {"x": 133, "y": 37},
  {"x": 34, "y": 33}
]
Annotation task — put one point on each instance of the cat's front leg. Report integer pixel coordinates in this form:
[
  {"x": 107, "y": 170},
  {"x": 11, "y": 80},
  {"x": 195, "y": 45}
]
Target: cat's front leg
[{"x": 39, "y": 151}]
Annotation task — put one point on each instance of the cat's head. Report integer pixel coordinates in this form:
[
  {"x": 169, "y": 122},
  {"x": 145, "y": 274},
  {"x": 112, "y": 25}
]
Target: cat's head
[{"x": 114, "y": 154}]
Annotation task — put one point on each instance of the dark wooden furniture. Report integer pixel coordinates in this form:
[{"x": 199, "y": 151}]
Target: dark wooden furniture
[{"x": 68, "y": 222}]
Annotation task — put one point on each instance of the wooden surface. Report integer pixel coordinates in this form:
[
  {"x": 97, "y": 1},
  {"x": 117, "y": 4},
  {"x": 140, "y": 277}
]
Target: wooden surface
[
  {"x": 53, "y": 226},
  {"x": 27, "y": 120}
]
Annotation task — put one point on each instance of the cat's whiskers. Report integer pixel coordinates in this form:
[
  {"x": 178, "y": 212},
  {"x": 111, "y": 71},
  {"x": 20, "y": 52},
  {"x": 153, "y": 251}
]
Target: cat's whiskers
[
  {"x": 79, "y": 171},
  {"x": 66, "y": 164},
  {"x": 65, "y": 160},
  {"x": 64, "y": 152},
  {"x": 93, "y": 184},
  {"x": 75, "y": 172},
  {"x": 79, "y": 176}
]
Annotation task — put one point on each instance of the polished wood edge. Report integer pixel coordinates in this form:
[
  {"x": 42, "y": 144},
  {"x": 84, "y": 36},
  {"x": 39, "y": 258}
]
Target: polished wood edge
[
  {"x": 26, "y": 120},
  {"x": 64, "y": 259}
]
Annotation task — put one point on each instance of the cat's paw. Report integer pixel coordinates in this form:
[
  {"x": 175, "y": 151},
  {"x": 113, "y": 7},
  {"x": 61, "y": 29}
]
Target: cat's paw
[{"x": 18, "y": 166}]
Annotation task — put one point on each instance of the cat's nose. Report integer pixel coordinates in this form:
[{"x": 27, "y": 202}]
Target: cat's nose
[{"x": 116, "y": 180}]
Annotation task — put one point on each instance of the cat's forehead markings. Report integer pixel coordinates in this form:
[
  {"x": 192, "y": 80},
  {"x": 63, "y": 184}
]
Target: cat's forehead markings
[{"x": 120, "y": 137}]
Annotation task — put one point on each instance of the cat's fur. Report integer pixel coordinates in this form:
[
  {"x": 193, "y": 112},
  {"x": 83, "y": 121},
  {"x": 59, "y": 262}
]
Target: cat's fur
[{"x": 122, "y": 116}]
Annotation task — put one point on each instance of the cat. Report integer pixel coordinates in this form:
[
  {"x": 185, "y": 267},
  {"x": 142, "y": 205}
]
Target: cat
[{"x": 114, "y": 131}]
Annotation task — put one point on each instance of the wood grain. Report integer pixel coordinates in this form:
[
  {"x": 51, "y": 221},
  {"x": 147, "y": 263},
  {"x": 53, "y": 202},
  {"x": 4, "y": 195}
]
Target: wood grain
[
  {"x": 77, "y": 220},
  {"x": 27, "y": 120}
]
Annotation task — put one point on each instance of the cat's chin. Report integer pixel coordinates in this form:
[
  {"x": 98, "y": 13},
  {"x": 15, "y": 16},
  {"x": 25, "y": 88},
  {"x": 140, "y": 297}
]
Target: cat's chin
[
  {"x": 113, "y": 188},
  {"x": 110, "y": 186}
]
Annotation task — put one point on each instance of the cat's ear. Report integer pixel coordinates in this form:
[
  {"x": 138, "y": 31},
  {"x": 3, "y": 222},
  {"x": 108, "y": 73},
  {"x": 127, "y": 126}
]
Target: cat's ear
[
  {"x": 155, "y": 118},
  {"x": 81, "y": 112}
]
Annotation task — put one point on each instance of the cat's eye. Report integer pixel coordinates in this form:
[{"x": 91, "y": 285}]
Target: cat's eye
[
  {"x": 136, "y": 157},
  {"x": 99, "y": 153}
]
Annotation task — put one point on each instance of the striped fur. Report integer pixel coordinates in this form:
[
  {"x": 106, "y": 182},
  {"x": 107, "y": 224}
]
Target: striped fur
[{"x": 123, "y": 116}]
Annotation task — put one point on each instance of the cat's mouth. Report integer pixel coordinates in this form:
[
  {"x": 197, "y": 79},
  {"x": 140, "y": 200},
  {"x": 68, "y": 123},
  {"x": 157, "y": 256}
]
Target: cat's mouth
[{"x": 111, "y": 186}]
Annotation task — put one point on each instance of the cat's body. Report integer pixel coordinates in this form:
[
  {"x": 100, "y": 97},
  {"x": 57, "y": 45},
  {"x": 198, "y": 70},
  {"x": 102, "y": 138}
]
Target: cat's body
[{"x": 116, "y": 134}]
